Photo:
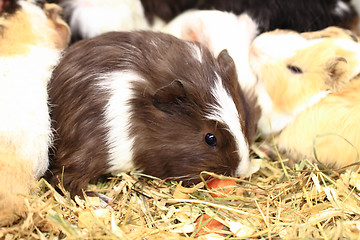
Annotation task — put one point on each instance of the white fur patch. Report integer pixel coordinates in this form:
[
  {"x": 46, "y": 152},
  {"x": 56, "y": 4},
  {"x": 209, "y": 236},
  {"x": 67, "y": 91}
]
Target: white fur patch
[
  {"x": 239, "y": 46},
  {"x": 225, "y": 111},
  {"x": 37, "y": 16},
  {"x": 94, "y": 17},
  {"x": 207, "y": 27},
  {"x": 341, "y": 8},
  {"x": 274, "y": 45},
  {"x": 117, "y": 116},
  {"x": 196, "y": 52},
  {"x": 24, "y": 118}
]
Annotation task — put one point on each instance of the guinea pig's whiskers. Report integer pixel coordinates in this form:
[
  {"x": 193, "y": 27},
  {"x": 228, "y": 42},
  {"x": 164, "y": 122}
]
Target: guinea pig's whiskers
[{"x": 191, "y": 178}]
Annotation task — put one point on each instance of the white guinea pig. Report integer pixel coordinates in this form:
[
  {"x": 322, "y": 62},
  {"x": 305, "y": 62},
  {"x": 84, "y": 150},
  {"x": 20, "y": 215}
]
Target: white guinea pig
[
  {"x": 305, "y": 95},
  {"x": 208, "y": 28},
  {"x": 147, "y": 101},
  {"x": 30, "y": 46}
]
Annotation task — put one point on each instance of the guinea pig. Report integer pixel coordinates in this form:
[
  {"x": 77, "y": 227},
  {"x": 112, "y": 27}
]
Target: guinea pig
[
  {"x": 31, "y": 41},
  {"x": 88, "y": 18},
  {"x": 148, "y": 101},
  {"x": 207, "y": 27},
  {"x": 306, "y": 94}
]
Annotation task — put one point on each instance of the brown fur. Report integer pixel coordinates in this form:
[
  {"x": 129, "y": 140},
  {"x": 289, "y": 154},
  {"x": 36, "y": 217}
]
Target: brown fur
[
  {"x": 168, "y": 109},
  {"x": 8, "y": 7}
]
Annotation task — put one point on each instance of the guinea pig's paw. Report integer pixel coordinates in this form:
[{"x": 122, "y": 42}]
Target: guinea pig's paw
[
  {"x": 255, "y": 165},
  {"x": 338, "y": 72}
]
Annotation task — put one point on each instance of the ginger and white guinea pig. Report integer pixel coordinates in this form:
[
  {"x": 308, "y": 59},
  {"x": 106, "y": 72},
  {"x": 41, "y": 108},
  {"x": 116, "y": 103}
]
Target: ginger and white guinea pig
[
  {"x": 306, "y": 95},
  {"x": 88, "y": 18},
  {"x": 31, "y": 41},
  {"x": 147, "y": 101},
  {"x": 207, "y": 27},
  {"x": 282, "y": 61}
]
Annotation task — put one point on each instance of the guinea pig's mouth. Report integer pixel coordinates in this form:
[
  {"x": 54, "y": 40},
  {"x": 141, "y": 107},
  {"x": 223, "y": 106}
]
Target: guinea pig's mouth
[{"x": 190, "y": 180}]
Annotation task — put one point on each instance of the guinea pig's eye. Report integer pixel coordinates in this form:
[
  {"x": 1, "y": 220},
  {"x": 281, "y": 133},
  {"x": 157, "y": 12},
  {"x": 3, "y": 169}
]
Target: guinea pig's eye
[
  {"x": 210, "y": 139},
  {"x": 294, "y": 69}
]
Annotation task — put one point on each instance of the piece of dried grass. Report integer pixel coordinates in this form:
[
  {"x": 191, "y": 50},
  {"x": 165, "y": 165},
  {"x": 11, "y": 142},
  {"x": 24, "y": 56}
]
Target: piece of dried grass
[{"x": 276, "y": 202}]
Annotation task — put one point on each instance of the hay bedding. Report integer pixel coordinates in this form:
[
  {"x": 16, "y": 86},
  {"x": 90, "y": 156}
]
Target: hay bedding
[{"x": 276, "y": 202}]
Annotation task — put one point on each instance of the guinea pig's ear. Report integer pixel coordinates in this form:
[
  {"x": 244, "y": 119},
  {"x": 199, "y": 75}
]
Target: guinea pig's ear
[
  {"x": 226, "y": 63},
  {"x": 170, "y": 98},
  {"x": 62, "y": 29},
  {"x": 338, "y": 70}
]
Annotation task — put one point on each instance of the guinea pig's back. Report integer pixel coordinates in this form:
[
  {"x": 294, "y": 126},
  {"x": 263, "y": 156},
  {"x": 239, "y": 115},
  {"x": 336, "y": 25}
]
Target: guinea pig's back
[
  {"x": 328, "y": 129},
  {"x": 81, "y": 92}
]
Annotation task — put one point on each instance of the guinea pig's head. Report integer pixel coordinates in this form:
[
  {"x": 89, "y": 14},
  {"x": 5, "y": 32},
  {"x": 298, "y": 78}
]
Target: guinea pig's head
[
  {"x": 293, "y": 73},
  {"x": 201, "y": 121},
  {"x": 27, "y": 24}
]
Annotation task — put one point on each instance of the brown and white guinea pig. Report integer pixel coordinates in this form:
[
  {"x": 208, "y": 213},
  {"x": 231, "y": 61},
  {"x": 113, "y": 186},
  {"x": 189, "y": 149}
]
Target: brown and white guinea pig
[
  {"x": 305, "y": 94},
  {"x": 88, "y": 18},
  {"x": 207, "y": 27},
  {"x": 31, "y": 40},
  {"x": 147, "y": 101}
]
